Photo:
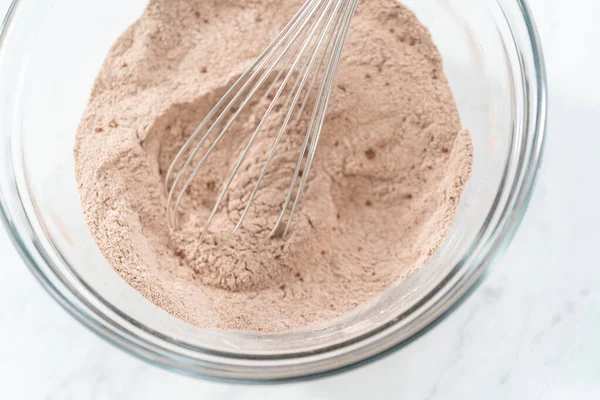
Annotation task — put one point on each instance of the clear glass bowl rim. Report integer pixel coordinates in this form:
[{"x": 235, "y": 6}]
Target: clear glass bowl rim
[{"x": 168, "y": 353}]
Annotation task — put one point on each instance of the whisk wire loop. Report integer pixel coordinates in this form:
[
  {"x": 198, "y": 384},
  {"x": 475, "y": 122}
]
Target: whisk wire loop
[{"x": 308, "y": 47}]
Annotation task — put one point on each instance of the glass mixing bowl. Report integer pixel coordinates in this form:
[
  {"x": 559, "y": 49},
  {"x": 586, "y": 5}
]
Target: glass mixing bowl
[{"x": 50, "y": 53}]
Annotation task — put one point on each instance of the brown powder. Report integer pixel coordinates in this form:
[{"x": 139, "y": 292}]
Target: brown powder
[{"x": 382, "y": 194}]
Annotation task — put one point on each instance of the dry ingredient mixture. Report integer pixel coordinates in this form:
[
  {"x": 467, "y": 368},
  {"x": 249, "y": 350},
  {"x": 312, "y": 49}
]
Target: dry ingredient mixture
[{"x": 389, "y": 171}]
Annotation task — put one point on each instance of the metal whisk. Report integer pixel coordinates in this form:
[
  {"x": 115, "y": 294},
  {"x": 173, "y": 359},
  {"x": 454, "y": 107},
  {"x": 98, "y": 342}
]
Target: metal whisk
[{"x": 304, "y": 55}]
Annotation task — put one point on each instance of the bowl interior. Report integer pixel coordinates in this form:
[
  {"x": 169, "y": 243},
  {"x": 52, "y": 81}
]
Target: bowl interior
[{"x": 56, "y": 50}]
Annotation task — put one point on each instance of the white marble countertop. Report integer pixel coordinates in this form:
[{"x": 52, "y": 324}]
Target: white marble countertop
[{"x": 532, "y": 331}]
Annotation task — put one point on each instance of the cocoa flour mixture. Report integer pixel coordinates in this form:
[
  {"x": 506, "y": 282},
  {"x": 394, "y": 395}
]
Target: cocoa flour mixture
[{"x": 388, "y": 174}]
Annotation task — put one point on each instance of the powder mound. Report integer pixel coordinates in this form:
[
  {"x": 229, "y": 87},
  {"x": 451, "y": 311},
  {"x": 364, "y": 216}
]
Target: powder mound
[
  {"x": 249, "y": 261},
  {"x": 381, "y": 196}
]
